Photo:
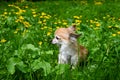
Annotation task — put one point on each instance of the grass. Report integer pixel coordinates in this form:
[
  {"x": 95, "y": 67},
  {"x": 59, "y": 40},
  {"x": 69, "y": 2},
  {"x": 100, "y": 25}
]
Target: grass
[{"x": 27, "y": 28}]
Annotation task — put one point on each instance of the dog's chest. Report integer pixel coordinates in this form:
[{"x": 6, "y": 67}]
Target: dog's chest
[{"x": 68, "y": 50}]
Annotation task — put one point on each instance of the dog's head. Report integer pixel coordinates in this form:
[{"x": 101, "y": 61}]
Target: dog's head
[{"x": 65, "y": 35}]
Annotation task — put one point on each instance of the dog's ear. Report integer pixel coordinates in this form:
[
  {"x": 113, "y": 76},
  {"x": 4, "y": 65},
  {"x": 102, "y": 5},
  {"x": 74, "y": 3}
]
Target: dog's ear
[
  {"x": 73, "y": 37},
  {"x": 73, "y": 27}
]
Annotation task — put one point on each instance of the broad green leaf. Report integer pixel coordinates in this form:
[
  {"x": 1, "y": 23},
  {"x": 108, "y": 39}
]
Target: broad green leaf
[
  {"x": 29, "y": 46},
  {"x": 11, "y": 65},
  {"x": 37, "y": 64},
  {"x": 13, "y": 62},
  {"x": 22, "y": 67}
]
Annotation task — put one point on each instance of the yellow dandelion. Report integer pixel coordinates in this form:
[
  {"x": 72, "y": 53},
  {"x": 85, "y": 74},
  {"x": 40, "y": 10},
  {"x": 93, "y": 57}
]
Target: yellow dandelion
[
  {"x": 76, "y": 17},
  {"x": 40, "y": 22},
  {"x": 21, "y": 17},
  {"x": 118, "y": 32},
  {"x": 3, "y": 40},
  {"x": 48, "y": 33},
  {"x": 23, "y": 10},
  {"x": 41, "y": 16},
  {"x": 34, "y": 15},
  {"x": 34, "y": 12},
  {"x": 40, "y": 43},
  {"x": 44, "y": 20},
  {"x": 98, "y": 3},
  {"x": 109, "y": 26},
  {"x": 97, "y": 24},
  {"x": 64, "y": 23},
  {"x": 26, "y": 24},
  {"x": 91, "y": 21},
  {"x": 113, "y": 35},
  {"x": 5, "y": 13},
  {"x": 45, "y": 27},
  {"x": 78, "y": 21},
  {"x": 55, "y": 22},
  {"x": 43, "y": 13},
  {"x": 32, "y": 9},
  {"x": 26, "y": 6},
  {"x": 46, "y": 17},
  {"x": 57, "y": 27}
]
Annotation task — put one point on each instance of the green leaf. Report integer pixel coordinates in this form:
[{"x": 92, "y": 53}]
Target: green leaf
[
  {"x": 22, "y": 67},
  {"x": 44, "y": 65},
  {"x": 12, "y": 62},
  {"x": 49, "y": 52},
  {"x": 29, "y": 46},
  {"x": 61, "y": 68},
  {"x": 11, "y": 65}
]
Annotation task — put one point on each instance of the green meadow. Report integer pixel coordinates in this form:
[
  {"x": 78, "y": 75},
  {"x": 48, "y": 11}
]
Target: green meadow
[{"x": 27, "y": 29}]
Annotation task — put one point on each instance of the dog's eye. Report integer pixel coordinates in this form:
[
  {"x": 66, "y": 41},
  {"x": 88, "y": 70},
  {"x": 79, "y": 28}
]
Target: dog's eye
[{"x": 57, "y": 38}]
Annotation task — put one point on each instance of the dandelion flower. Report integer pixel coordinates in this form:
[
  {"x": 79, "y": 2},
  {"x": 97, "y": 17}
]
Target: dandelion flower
[
  {"x": 43, "y": 14},
  {"x": 98, "y": 24},
  {"x": 34, "y": 15},
  {"x": 5, "y": 13},
  {"x": 48, "y": 33},
  {"x": 109, "y": 26},
  {"x": 27, "y": 24},
  {"x": 40, "y": 43},
  {"x": 26, "y": 6},
  {"x": 98, "y": 3},
  {"x": 33, "y": 12},
  {"x": 55, "y": 22},
  {"x": 113, "y": 35},
  {"x": 57, "y": 27},
  {"x": 45, "y": 27},
  {"x": 21, "y": 17},
  {"x": 64, "y": 23},
  {"x": 3, "y": 40},
  {"x": 78, "y": 21},
  {"x": 76, "y": 17},
  {"x": 118, "y": 32},
  {"x": 40, "y": 22}
]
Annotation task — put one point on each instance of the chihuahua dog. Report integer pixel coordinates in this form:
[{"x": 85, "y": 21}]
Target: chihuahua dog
[{"x": 70, "y": 52}]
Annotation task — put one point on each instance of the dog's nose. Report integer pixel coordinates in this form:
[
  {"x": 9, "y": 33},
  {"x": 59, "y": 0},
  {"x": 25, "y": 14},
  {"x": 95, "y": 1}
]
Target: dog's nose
[{"x": 53, "y": 41}]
